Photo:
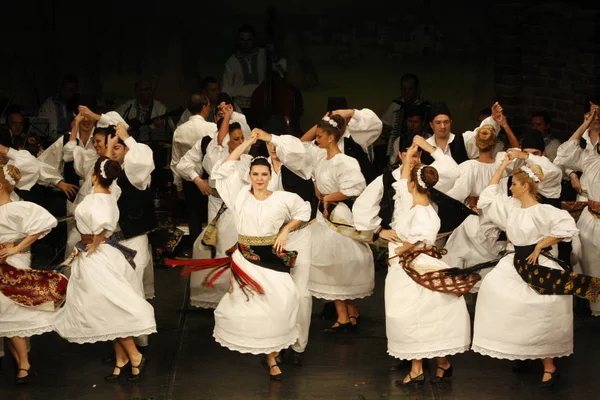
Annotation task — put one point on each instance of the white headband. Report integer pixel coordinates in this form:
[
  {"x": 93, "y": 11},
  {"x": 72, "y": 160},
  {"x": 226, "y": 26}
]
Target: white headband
[
  {"x": 8, "y": 176},
  {"x": 529, "y": 172},
  {"x": 420, "y": 179},
  {"x": 102, "y": 171},
  {"x": 331, "y": 122},
  {"x": 257, "y": 157}
]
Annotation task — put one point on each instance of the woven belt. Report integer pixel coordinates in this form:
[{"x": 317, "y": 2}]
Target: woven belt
[
  {"x": 594, "y": 208},
  {"x": 267, "y": 240}
]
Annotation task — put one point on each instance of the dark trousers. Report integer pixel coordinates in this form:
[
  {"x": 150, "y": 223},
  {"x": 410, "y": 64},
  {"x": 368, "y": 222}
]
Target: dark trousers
[
  {"x": 50, "y": 250},
  {"x": 196, "y": 205}
]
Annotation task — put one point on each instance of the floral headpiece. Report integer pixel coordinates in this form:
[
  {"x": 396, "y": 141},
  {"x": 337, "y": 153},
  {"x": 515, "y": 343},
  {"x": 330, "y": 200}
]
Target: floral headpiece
[
  {"x": 530, "y": 173},
  {"x": 102, "y": 170},
  {"x": 331, "y": 122},
  {"x": 420, "y": 177},
  {"x": 9, "y": 178}
]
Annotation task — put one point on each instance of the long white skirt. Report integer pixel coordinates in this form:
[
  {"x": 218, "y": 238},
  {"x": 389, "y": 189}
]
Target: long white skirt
[
  {"x": 103, "y": 301},
  {"x": 342, "y": 268},
  {"x": 200, "y": 295},
  {"x": 513, "y": 321},
  {"x": 17, "y": 320},
  {"x": 421, "y": 323},
  {"x": 589, "y": 231},
  {"x": 259, "y": 324}
]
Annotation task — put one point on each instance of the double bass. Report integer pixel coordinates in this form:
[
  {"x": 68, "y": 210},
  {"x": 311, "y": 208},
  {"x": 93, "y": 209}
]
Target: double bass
[{"x": 275, "y": 95}]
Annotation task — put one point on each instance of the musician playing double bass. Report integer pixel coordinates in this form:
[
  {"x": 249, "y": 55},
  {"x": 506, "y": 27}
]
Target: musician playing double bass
[{"x": 144, "y": 110}]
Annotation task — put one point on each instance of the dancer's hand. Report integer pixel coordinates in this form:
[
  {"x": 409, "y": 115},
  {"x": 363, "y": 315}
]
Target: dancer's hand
[
  {"x": 390, "y": 235},
  {"x": 281, "y": 241},
  {"x": 69, "y": 189},
  {"x": 7, "y": 252},
  {"x": 575, "y": 182},
  {"x": 533, "y": 257},
  {"x": 91, "y": 248}
]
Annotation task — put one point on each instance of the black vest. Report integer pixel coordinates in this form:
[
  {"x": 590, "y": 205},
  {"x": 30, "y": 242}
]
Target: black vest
[
  {"x": 69, "y": 169},
  {"x": 457, "y": 147},
  {"x": 136, "y": 211},
  {"x": 302, "y": 187},
  {"x": 203, "y": 146},
  {"x": 353, "y": 149},
  {"x": 386, "y": 206}
]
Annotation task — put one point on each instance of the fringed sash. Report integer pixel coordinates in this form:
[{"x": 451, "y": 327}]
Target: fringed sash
[
  {"x": 449, "y": 280},
  {"x": 257, "y": 250},
  {"x": 545, "y": 280}
]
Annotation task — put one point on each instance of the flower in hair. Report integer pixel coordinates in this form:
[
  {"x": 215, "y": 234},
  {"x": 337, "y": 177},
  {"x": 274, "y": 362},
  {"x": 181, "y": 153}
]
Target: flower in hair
[
  {"x": 102, "y": 170},
  {"x": 331, "y": 122},
  {"x": 9, "y": 178},
  {"x": 420, "y": 180},
  {"x": 530, "y": 173}
]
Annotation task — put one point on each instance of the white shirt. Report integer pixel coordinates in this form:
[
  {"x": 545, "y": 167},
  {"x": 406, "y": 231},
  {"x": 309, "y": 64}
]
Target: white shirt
[
  {"x": 233, "y": 76},
  {"x": 185, "y": 137}
]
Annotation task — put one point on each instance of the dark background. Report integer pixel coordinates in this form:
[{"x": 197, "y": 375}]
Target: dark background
[{"x": 528, "y": 55}]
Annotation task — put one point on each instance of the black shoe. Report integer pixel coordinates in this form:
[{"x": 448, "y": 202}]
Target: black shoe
[
  {"x": 25, "y": 379},
  {"x": 276, "y": 378},
  {"x": 140, "y": 367},
  {"x": 341, "y": 328},
  {"x": 114, "y": 376},
  {"x": 416, "y": 381},
  {"x": 296, "y": 358},
  {"x": 446, "y": 375},
  {"x": 550, "y": 382}
]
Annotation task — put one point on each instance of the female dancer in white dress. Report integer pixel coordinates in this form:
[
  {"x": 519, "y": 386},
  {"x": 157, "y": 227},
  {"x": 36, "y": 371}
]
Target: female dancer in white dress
[
  {"x": 105, "y": 301},
  {"x": 512, "y": 320},
  {"x": 420, "y": 323},
  {"x": 258, "y": 314},
  {"x": 21, "y": 224},
  {"x": 345, "y": 271}
]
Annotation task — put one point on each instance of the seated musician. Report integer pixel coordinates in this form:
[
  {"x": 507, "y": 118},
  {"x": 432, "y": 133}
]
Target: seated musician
[{"x": 144, "y": 111}]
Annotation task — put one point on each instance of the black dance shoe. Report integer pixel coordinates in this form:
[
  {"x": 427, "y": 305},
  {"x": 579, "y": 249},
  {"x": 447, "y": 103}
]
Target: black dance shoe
[
  {"x": 24, "y": 379},
  {"x": 416, "y": 381},
  {"x": 275, "y": 378},
  {"x": 140, "y": 367},
  {"x": 113, "y": 376},
  {"x": 341, "y": 328},
  {"x": 550, "y": 382},
  {"x": 446, "y": 375}
]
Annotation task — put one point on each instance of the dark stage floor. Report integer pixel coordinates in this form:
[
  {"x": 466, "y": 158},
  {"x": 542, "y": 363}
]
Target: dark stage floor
[{"x": 186, "y": 363}]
